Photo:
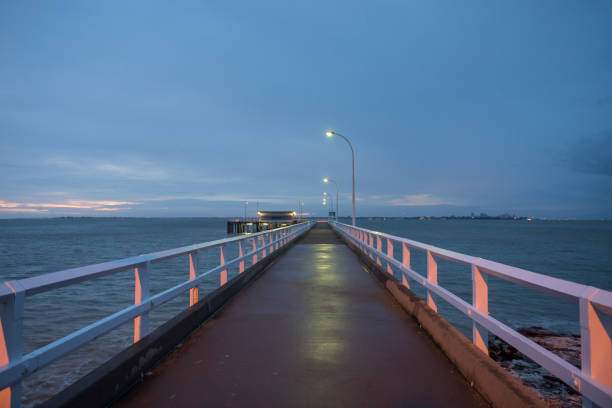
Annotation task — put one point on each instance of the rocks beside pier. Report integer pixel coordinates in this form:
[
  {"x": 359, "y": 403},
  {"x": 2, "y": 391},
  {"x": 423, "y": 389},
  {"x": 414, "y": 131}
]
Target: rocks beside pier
[{"x": 564, "y": 345}]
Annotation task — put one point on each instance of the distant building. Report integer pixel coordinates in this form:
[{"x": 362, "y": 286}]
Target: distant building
[{"x": 277, "y": 216}]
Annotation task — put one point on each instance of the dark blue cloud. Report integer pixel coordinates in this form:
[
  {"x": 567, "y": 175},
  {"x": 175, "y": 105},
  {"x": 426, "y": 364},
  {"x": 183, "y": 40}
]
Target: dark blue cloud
[{"x": 593, "y": 155}]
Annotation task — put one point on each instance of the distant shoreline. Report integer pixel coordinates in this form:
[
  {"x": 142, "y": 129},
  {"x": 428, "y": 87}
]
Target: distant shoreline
[{"x": 371, "y": 218}]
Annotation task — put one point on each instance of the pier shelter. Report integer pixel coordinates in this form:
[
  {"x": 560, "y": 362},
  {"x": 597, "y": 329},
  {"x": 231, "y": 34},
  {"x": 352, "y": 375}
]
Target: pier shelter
[{"x": 266, "y": 220}]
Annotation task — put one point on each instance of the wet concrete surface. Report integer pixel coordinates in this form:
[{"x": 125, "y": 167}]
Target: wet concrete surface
[{"x": 314, "y": 330}]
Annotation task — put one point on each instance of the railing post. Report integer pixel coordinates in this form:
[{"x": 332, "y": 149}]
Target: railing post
[
  {"x": 480, "y": 300},
  {"x": 596, "y": 340},
  {"x": 263, "y": 239},
  {"x": 255, "y": 252},
  {"x": 405, "y": 262},
  {"x": 194, "y": 263},
  {"x": 223, "y": 277},
  {"x": 364, "y": 242},
  {"x": 432, "y": 277},
  {"x": 11, "y": 312},
  {"x": 371, "y": 245},
  {"x": 390, "y": 255},
  {"x": 141, "y": 294},
  {"x": 379, "y": 249},
  {"x": 240, "y": 254}
]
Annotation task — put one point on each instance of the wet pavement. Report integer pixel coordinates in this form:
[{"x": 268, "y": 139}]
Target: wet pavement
[{"x": 315, "y": 330}]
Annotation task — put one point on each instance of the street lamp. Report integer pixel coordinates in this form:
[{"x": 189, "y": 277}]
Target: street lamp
[
  {"x": 330, "y": 133},
  {"x": 326, "y": 180},
  {"x": 245, "y": 208}
]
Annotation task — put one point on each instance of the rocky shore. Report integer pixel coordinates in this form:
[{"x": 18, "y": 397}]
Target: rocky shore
[{"x": 565, "y": 345}]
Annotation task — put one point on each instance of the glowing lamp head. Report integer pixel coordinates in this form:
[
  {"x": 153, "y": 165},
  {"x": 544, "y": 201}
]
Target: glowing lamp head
[
  {"x": 329, "y": 133},
  {"x": 325, "y": 180}
]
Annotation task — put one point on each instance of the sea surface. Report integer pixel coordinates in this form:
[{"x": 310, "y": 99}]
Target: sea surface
[{"x": 579, "y": 251}]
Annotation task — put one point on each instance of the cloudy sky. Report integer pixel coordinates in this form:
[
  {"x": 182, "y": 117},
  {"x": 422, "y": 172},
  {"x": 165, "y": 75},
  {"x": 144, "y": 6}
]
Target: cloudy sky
[{"x": 191, "y": 108}]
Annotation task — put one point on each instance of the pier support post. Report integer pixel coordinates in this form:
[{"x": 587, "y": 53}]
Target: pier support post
[
  {"x": 194, "y": 263},
  {"x": 141, "y": 295},
  {"x": 406, "y": 262},
  {"x": 11, "y": 328},
  {"x": 223, "y": 276},
  {"x": 432, "y": 277},
  {"x": 480, "y": 300},
  {"x": 390, "y": 255}
]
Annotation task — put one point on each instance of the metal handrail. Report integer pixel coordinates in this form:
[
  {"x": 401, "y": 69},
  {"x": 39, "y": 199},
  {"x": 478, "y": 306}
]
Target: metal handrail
[
  {"x": 593, "y": 381},
  {"x": 14, "y": 366}
]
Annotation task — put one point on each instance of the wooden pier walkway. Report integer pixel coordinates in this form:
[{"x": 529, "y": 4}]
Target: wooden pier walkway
[{"x": 315, "y": 330}]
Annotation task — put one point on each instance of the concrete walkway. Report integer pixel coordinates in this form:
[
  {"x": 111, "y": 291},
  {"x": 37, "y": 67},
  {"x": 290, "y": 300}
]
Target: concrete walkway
[{"x": 315, "y": 330}]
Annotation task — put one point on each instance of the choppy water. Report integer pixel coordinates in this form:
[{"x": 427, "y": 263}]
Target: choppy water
[{"x": 580, "y": 251}]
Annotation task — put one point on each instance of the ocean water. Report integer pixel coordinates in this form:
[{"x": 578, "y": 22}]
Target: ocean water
[{"x": 579, "y": 251}]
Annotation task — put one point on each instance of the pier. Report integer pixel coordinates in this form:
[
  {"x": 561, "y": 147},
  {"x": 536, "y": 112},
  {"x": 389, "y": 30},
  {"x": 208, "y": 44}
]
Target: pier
[
  {"x": 314, "y": 330},
  {"x": 310, "y": 314}
]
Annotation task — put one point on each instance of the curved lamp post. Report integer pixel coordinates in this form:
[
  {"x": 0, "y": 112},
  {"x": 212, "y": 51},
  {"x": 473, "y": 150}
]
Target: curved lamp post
[
  {"x": 331, "y": 133},
  {"x": 327, "y": 180}
]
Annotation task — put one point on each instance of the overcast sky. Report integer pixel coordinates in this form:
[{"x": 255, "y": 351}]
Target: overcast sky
[{"x": 191, "y": 108}]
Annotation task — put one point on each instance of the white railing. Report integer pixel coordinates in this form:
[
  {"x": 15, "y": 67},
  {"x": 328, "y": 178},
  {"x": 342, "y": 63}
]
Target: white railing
[
  {"x": 14, "y": 366},
  {"x": 593, "y": 381}
]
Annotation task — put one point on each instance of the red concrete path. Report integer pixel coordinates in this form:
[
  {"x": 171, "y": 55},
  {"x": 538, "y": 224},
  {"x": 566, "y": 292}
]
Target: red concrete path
[{"x": 315, "y": 330}]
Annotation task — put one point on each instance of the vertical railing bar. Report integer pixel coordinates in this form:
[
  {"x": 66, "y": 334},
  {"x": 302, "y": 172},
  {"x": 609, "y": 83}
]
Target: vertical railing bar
[
  {"x": 264, "y": 252},
  {"x": 405, "y": 262},
  {"x": 255, "y": 260},
  {"x": 11, "y": 339},
  {"x": 390, "y": 255},
  {"x": 223, "y": 275},
  {"x": 432, "y": 277},
  {"x": 194, "y": 264},
  {"x": 141, "y": 295},
  {"x": 596, "y": 341},
  {"x": 240, "y": 255},
  {"x": 480, "y": 300}
]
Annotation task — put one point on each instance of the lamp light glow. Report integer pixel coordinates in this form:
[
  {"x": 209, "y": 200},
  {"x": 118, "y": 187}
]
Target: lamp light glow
[{"x": 329, "y": 133}]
